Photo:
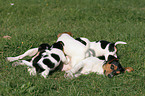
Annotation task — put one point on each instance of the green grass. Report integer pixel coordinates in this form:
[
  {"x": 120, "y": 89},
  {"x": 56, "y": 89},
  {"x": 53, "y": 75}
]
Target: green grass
[{"x": 39, "y": 21}]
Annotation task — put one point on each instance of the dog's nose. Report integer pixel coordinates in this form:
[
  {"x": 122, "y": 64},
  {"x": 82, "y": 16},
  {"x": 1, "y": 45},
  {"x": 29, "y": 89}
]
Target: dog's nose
[{"x": 110, "y": 75}]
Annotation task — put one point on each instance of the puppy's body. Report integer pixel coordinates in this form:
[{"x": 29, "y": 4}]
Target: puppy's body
[
  {"x": 86, "y": 66},
  {"x": 93, "y": 64},
  {"x": 74, "y": 49},
  {"x": 46, "y": 60},
  {"x": 104, "y": 48}
]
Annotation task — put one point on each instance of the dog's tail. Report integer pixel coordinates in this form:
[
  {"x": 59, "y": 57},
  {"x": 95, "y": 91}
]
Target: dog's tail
[
  {"x": 85, "y": 41},
  {"x": 87, "y": 44},
  {"x": 120, "y": 42}
]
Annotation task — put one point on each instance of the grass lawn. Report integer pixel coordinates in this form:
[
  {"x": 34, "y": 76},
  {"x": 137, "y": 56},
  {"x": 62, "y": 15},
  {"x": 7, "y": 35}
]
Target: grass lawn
[{"x": 32, "y": 22}]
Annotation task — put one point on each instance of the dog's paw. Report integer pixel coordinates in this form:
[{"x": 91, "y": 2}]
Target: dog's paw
[
  {"x": 32, "y": 71},
  {"x": 10, "y": 59},
  {"x": 68, "y": 74},
  {"x": 16, "y": 63}
]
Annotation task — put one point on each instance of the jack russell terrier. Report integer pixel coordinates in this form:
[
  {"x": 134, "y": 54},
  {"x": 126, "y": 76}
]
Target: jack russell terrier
[
  {"x": 73, "y": 49},
  {"x": 109, "y": 68},
  {"x": 45, "y": 61},
  {"x": 96, "y": 49},
  {"x": 102, "y": 48}
]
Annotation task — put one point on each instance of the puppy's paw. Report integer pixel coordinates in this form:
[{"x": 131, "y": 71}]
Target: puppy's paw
[
  {"x": 10, "y": 59},
  {"x": 68, "y": 74},
  {"x": 17, "y": 63},
  {"x": 32, "y": 71}
]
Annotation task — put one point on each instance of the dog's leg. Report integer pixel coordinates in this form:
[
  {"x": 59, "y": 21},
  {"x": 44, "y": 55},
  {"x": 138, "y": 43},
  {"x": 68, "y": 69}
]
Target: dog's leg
[
  {"x": 30, "y": 52},
  {"x": 45, "y": 73},
  {"x": 75, "y": 60},
  {"x": 32, "y": 71},
  {"x": 65, "y": 59},
  {"x": 75, "y": 69},
  {"x": 66, "y": 67},
  {"x": 22, "y": 62}
]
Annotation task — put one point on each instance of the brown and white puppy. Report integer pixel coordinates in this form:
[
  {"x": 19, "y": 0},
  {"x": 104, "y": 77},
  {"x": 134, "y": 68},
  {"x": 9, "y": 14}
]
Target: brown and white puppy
[
  {"x": 74, "y": 49},
  {"x": 98, "y": 65}
]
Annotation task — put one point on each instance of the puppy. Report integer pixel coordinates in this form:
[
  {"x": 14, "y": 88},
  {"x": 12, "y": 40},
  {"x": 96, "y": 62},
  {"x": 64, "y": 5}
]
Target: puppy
[
  {"x": 104, "y": 48},
  {"x": 46, "y": 60},
  {"x": 98, "y": 65},
  {"x": 74, "y": 50},
  {"x": 30, "y": 52}
]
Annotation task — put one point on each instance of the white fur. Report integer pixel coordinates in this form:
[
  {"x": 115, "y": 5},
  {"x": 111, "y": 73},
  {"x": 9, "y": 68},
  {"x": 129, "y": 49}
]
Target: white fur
[
  {"x": 31, "y": 68},
  {"x": 30, "y": 52},
  {"x": 96, "y": 50},
  {"x": 74, "y": 49},
  {"x": 90, "y": 64}
]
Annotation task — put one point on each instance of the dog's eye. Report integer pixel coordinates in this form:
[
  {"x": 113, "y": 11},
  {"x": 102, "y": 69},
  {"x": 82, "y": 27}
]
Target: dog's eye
[
  {"x": 112, "y": 67},
  {"x": 104, "y": 71}
]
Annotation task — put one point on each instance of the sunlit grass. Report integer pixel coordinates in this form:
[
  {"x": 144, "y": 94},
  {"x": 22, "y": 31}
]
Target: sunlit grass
[{"x": 32, "y": 22}]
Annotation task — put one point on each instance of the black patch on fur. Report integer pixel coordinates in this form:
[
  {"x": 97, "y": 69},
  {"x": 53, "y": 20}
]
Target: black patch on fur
[
  {"x": 58, "y": 45},
  {"x": 44, "y": 46},
  {"x": 104, "y": 44},
  {"x": 101, "y": 57},
  {"x": 111, "y": 47},
  {"x": 48, "y": 63},
  {"x": 115, "y": 61},
  {"x": 56, "y": 57},
  {"x": 82, "y": 41},
  {"x": 45, "y": 56},
  {"x": 111, "y": 57},
  {"x": 39, "y": 69}
]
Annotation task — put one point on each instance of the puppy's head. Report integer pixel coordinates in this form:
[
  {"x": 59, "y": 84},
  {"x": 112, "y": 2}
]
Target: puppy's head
[
  {"x": 43, "y": 47},
  {"x": 113, "y": 67},
  {"x": 58, "y": 45},
  {"x": 69, "y": 33}
]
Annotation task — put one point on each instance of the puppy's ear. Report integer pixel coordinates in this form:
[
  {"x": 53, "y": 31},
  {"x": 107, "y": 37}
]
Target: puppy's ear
[
  {"x": 111, "y": 57},
  {"x": 128, "y": 69},
  {"x": 69, "y": 33},
  {"x": 61, "y": 43}
]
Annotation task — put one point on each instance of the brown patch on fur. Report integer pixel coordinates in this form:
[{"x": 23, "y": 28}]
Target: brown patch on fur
[
  {"x": 69, "y": 33},
  {"x": 115, "y": 49},
  {"x": 129, "y": 69},
  {"x": 108, "y": 70}
]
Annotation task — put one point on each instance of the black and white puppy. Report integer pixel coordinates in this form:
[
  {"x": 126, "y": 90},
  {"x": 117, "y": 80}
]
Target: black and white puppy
[
  {"x": 102, "y": 48},
  {"x": 46, "y": 60},
  {"x": 30, "y": 52}
]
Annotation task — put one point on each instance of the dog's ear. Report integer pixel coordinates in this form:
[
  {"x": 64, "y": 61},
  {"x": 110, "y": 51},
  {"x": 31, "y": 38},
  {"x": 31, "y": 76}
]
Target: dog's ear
[
  {"x": 111, "y": 57},
  {"x": 60, "y": 42},
  {"x": 128, "y": 69},
  {"x": 69, "y": 33}
]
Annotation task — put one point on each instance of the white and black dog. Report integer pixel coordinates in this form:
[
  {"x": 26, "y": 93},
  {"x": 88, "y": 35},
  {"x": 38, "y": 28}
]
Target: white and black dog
[
  {"x": 104, "y": 48},
  {"x": 46, "y": 60},
  {"x": 74, "y": 49},
  {"x": 97, "y": 65}
]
